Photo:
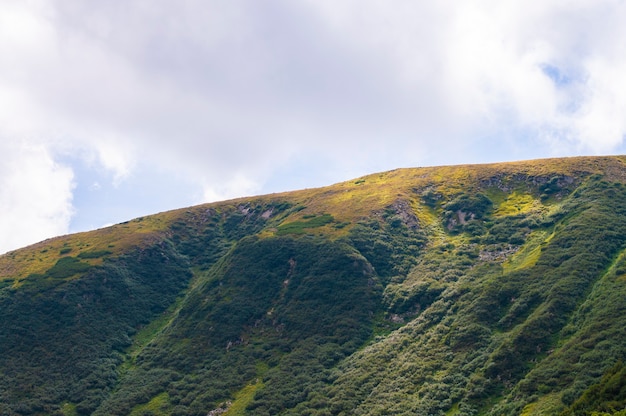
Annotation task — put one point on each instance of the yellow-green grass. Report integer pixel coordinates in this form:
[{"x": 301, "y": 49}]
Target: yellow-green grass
[
  {"x": 148, "y": 333},
  {"x": 358, "y": 198},
  {"x": 549, "y": 404},
  {"x": 112, "y": 240},
  {"x": 69, "y": 409},
  {"x": 431, "y": 222},
  {"x": 528, "y": 254},
  {"x": 158, "y": 406},
  {"x": 453, "y": 410},
  {"x": 243, "y": 398},
  {"x": 517, "y": 203},
  {"x": 347, "y": 202}
]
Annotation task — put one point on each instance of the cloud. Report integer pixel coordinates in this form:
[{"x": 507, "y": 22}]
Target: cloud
[
  {"x": 487, "y": 64},
  {"x": 241, "y": 97},
  {"x": 35, "y": 196},
  {"x": 601, "y": 121}
]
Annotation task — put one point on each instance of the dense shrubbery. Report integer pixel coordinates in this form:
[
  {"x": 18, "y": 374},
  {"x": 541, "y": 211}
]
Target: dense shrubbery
[
  {"x": 65, "y": 344},
  {"x": 488, "y": 335},
  {"x": 391, "y": 248},
  {"x": 607, "y": 396},
  {"x": 93, "y": 254},
  {"x": 295, "y": 305},
  {"x": 478, "y": 311},
  {"x": 301, "y": 227},
  {"x": 465, "y": 211}
]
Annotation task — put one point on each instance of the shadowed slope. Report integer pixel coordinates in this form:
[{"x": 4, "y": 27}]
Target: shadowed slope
[{"x": 481, "y": 289}]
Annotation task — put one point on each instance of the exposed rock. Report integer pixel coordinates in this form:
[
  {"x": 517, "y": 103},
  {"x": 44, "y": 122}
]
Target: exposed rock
[
  {"x": 220, "y": 410},
  {"x": 405, "y": 213},
  {"x": 497, "y": 254}
]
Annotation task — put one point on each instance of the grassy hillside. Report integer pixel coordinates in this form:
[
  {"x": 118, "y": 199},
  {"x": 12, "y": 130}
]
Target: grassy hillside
[{"x": 462, "y": 290}]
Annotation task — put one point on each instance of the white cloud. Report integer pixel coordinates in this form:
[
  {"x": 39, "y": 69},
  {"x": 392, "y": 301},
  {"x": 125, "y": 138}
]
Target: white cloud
[
  {"x": 601, "y": 121},
  {"x": 35, "y": 196},
  {"x": 235, "y": 95},
  {"x": 480, "y": 64},
  {"x": 237, "y": 186}
]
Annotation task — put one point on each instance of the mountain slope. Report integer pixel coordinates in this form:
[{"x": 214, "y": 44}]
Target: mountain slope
[{"x": 480, "y": 289}]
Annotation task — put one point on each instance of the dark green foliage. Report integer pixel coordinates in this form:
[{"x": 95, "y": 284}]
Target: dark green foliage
[
  {"x": 453, "y": 353},
  {"x": 300, "y": 227},
  {"x": 93, "y": 254},
  {"x": 66, "y": 267},
  {"x": 297, "y": 305},
  {"x": 609, "y": 395},
  {"x": 511, "y": 230},
  {"x": 552, "y": 186},
  {"x": 476, "y": 313},
  {"x": 389, "y": 245},
  {"x": 65, "y": 345},
  {"x": 431, "y": 198},
  {"x": 207, "y": 235},
  {"x": 428, "y": 279},
  {"x": 465, "y": 212},
  {"x": 476, "y": 204}
]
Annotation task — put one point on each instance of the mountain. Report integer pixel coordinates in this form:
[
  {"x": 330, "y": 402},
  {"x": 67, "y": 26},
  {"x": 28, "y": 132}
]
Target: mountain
[{"x": 493, "y": 289}]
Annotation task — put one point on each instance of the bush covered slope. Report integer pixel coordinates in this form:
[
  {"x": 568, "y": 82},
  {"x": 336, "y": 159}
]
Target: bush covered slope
[{"x": 464, "y": 290}]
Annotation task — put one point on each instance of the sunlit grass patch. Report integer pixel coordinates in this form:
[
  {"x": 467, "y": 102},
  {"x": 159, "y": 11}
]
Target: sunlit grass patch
[
  {"x": 308, "y": 222},
  {"x": 243, "y": 398},
  {"x": 517, "y": 203},
  {"x": 158, "y": 406},
  {"x": 69, "y": 409},
  {"x": 546, "y": 405},
  {"x": 528, "y": 255},
  {"x": 91, "y": 246}
]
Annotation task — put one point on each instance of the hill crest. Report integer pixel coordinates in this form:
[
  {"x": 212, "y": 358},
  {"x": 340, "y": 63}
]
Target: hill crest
[{"x": 489, "y": 289}]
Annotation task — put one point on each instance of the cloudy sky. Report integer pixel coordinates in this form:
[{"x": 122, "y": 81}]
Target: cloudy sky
[{"x": 115, "y": 109}]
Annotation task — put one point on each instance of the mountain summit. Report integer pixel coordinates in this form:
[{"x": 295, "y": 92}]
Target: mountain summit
[{"x": 493, "y": 289}]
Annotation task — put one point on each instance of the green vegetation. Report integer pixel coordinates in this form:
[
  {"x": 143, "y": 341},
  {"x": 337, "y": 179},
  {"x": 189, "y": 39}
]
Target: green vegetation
[
  {"x": 66, "y": 267},
  {"x": 301, "y": 227},
  {"x": 61, "y": 344},
  {"x": 470, "y": 290},
  {"x": 243, "y": 398},
  {"x": 94, "y": 254},
  {"x": 606, "y": 397}
]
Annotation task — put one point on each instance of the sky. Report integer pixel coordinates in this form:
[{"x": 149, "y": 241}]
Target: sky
[{"x": 117, "y": 109}]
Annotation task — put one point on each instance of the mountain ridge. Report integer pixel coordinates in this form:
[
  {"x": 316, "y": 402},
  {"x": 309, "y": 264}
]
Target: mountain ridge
[{"x": 471, "y": 289}]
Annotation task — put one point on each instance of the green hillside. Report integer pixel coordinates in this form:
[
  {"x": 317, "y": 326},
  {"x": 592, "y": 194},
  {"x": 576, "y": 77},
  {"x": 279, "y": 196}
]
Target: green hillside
[{"x": 460, "y": 290}]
